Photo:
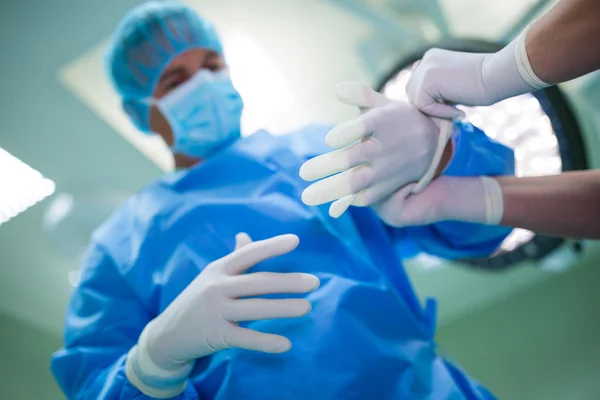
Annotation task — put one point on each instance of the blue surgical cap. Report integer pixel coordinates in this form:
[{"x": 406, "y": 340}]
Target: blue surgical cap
[{"x": 145, "y": 41}]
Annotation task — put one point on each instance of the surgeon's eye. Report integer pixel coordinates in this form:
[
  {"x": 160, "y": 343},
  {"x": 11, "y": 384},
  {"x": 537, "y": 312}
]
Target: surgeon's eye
[
  {"x": 214, "y": 62},
  {"x": 172, "y": 84},
  {"x": 170, "y": 80}
]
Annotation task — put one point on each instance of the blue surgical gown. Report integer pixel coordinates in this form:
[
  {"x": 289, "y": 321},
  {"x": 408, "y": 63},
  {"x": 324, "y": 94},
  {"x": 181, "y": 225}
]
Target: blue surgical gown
[{"x": 367, "y": 336}]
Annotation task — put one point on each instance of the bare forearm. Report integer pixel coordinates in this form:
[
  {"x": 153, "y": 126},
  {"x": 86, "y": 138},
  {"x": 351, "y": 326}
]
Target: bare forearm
[
  {"x": 563, "y": 44},
  {"x": 560, "y": 205}
]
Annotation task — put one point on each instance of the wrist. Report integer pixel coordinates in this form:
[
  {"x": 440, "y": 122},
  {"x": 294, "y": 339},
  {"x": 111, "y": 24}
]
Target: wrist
[
  {"x": 470, "y": 199},
  {"x": 524, "y": 64},
  {"x": 151, "y": 378},
  {"x": 446, "y": 158},
  {"x": 494, "y": 201},
  {"x": 504, "y": 72}
]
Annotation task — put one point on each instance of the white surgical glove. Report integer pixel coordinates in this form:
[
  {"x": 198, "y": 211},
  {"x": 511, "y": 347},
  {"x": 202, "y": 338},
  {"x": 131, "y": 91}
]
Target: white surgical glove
[
  {"x": 204, "y": 318},
  {"x": 468, "y": 199},
  {"x": 390, "y": 145},
  {"x": 473, "y": 79}
]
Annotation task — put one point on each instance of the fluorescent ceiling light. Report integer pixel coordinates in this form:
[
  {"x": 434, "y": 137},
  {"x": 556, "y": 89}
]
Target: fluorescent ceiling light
[{"x": 20, "y": 186}]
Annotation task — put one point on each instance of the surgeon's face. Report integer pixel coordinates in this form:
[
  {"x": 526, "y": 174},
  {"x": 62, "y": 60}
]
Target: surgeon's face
[{"x": 182, "y": 68}]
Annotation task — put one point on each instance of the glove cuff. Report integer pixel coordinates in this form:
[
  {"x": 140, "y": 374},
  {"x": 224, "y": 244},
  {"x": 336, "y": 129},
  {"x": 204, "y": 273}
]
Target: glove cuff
[
  {"x": 446, "y": 127},
  {"x": 523, "y": 64},
  {"x": 151, "y": 379},
  {"x": 494, "y": 202},
  {"x": 508, "y": 72},
  {"x": 475, "y": 199}
]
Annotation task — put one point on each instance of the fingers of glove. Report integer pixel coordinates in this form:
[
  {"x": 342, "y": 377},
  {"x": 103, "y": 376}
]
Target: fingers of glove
[
  {"x": 259, "y": 309},
  {"x": 260, "y": 283},
  {"x": 414, "y": 89},
  {"x": 349, "y": 132},
  {"x": 337, "y": 160},
  {"x": 411, "y": 86},
  {"x": 338, "y": 207},
  {"x": 440, "y": 110},
  {"x": 243, "y": 259},
  {"x": 335, "y": 187},
  {"x": 249, "y": 339},
  {"x": 242, "y": 239},
  {"x": 360, "y": 95}
]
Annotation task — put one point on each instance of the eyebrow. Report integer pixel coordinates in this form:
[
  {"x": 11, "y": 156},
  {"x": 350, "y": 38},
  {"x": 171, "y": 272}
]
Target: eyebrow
[{"x": 172, "y": 72}]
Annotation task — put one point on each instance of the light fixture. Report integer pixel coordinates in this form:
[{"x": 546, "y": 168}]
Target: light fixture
[
  {"x": 539, "y": 127},
  {"x": 20, "y": 186}
]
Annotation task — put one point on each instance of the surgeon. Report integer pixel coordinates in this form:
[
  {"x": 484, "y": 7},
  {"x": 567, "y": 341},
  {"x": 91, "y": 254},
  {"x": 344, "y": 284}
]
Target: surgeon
[
  {"x": 170, "y": 305},
  {"x": 560, "y": 45}
]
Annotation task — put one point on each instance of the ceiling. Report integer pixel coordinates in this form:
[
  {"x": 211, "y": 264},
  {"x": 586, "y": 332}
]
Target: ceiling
[{"x": 60, "y": 116}]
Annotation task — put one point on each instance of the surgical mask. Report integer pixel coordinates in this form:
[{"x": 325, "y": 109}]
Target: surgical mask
[{"x": 204, "y": 113}]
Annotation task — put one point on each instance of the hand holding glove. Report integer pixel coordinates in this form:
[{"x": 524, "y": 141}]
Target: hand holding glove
[
  {"x": 389, "y": 146},
  {"x": 472, "y": 79},
  {"x": 203, "y": 318}
]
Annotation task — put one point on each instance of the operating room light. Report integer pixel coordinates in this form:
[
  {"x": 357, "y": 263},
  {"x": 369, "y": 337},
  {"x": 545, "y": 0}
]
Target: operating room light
[
  {"x": 519, "y": 123},
  {"x": 261, "y": 82},
  {"x": 20, "y": 186}
]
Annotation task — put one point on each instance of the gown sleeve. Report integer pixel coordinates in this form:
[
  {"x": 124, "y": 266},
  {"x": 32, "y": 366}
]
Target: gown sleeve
[{"x": 104, "y": 320}]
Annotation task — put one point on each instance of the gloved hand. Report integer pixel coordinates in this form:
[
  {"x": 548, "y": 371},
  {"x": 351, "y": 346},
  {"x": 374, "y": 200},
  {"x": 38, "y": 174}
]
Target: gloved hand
[
  {"x": 468, "y": 199},
  {"x": 474, "y": 79},
  {"x": 390, "y": 145},
  {"x": 203, "y": 318}
]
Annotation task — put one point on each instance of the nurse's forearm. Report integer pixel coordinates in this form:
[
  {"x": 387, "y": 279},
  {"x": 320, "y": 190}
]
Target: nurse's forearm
[
  {"x": 561, "y": 205},
  {"x": 563, "y": 44}
]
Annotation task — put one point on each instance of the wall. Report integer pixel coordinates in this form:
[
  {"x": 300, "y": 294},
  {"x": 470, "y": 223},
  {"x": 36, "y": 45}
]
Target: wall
[
  {"x": 539, "y": 344},
  {"x": 25, "y": 361}
]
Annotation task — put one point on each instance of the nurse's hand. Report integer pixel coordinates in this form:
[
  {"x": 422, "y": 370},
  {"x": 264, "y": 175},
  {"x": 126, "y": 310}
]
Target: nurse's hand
[
  {"x": 204, "y": 318},
  {"x": 444, "y": 75},
  {"x": 389, "y": 146},
  {"x": 467, "y": 199},
  {"x": 473, "y": 79}
]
